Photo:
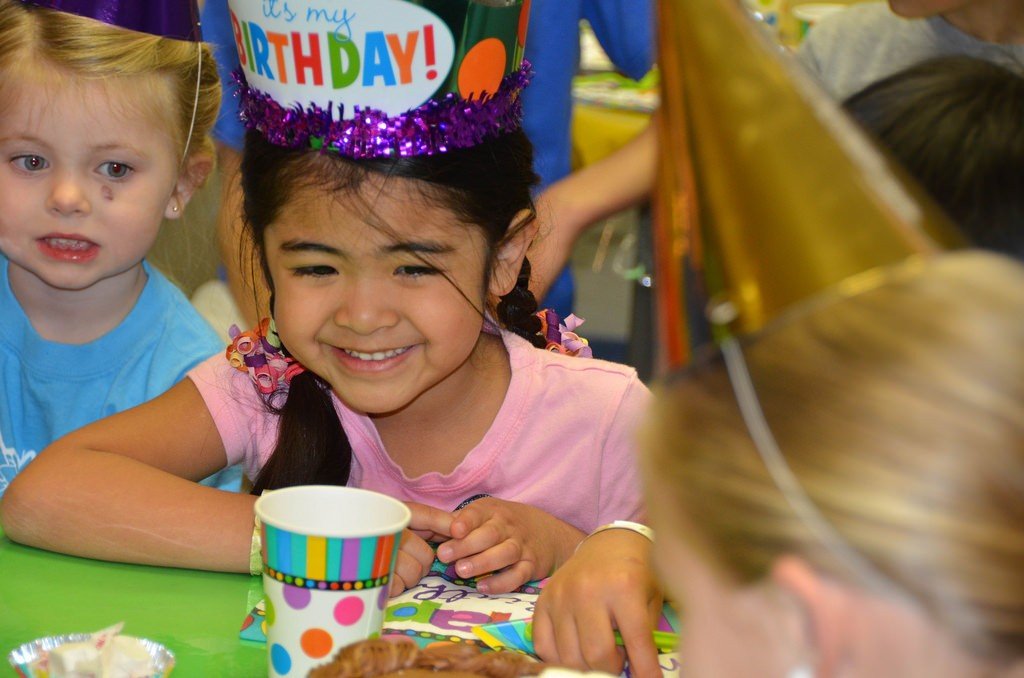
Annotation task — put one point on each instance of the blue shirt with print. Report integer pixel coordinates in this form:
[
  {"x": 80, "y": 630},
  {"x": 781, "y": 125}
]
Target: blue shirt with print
[{"x": 48, "y": 389}]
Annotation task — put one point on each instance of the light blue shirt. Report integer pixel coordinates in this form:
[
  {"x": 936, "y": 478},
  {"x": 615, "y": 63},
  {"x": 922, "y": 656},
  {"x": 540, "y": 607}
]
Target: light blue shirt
[{"x": 48, "y": 389}]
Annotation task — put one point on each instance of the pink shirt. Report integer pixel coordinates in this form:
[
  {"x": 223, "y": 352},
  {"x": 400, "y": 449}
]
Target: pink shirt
[{"x": 563, "y": 440}]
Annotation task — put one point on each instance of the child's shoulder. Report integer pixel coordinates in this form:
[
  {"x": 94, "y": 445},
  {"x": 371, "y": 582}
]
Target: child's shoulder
[
  {"x": 562, "y": 371},
  {"x": 177, "y": 330}
]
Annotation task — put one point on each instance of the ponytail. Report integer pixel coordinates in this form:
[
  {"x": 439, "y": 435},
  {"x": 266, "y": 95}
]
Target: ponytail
[
  {"x": 517, "y": 310},
  {"x": 312, "y": 448}
]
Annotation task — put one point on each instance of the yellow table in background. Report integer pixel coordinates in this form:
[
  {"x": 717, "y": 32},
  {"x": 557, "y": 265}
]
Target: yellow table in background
[{"x": 598, "y": 131}]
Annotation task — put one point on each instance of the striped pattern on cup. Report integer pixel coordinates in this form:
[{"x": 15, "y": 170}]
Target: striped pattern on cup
[{"x": 328, "y": 559}]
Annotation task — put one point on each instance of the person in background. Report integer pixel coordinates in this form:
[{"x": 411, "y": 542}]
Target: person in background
[
  {"x": 849, "y": 50},
  {"x": 955, "y": 124},
  {"x": 624, "y": 29},
  {"x": 897, "y": 547},
  {"x": 104, "y": 133}
]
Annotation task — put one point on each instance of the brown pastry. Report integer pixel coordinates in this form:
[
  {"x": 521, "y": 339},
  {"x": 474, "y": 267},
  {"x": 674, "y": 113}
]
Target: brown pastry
[{"x": 404, "y": 659}]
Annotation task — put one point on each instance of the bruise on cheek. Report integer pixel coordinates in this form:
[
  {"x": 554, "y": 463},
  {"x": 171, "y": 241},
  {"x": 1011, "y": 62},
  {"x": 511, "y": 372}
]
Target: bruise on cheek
[{"x": 107, "y": 192}]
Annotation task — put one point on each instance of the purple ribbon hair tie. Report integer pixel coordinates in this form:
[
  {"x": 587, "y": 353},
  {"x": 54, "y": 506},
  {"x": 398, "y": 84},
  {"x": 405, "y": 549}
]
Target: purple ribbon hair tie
[
  {"x": 561, "y": 336},
  {"x": 178, "y": 19}
]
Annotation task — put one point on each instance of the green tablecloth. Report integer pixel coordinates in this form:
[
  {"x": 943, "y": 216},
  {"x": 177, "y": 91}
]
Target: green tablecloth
[{"x": 195, "y": 614}]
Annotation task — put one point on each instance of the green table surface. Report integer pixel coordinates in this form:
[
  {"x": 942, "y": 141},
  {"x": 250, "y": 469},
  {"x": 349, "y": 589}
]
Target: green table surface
[{"x": 197, "y": 615}]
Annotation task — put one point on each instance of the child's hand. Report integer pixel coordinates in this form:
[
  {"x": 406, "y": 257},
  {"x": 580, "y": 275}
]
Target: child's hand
[
  {"x": 608, "y": 584},
  {"x": 515, "y": 542},
  {"x": 415, "y": 555}
]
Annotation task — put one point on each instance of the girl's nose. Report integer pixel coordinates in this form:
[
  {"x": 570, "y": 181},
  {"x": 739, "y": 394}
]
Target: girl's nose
[
  {"x": 67, "y": 196},
  {"x": 365, "y": 307}
]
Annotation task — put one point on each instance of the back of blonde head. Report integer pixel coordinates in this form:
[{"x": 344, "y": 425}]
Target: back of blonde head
[
  {"x": 46, "y": 45},
  {"x": 901, "y": 413}
]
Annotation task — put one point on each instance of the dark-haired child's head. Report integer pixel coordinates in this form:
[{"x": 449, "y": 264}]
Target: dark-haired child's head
[
  {"x": 483, "y": 191},
  {"x": 955, "y": 124},
  {"x": 382, "y": 273}
]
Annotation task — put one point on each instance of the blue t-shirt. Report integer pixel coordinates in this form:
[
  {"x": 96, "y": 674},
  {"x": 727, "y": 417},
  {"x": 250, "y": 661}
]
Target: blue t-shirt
[
  {"x": 624, "y": 28},
  {"x": 48, "y": 389}
]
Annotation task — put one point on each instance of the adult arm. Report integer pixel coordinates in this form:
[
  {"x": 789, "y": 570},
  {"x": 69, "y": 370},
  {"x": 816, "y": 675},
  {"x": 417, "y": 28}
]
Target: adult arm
[
  {"x": 123, "y": 489},
  {"x": 572, "y": 205}
]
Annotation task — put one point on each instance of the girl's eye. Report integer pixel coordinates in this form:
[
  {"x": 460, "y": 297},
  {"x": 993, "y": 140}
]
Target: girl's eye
[
  {"x": 115, "y": 170},
  {"x": 30, "y": 163},
  {"x": 415, "y": 271},
  {"x": 314, "y": 271}
]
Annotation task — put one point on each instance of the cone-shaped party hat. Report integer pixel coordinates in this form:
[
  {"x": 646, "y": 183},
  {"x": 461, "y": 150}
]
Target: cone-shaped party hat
[
  {"x": 177, "y": 19},
  {"x": 767, "y": 192}
]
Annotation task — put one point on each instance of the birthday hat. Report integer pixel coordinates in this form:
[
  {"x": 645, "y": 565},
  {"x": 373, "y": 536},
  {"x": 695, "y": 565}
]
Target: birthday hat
[
  {"x": 178, "y": 19},
  {"x": 381, "y": 78},
  {"x": 769, "y": 193}
]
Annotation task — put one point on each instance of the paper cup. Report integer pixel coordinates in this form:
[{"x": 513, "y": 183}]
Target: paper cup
[
  {"x": 328, "y": 557},
  {"x": 809, "y": 14}
]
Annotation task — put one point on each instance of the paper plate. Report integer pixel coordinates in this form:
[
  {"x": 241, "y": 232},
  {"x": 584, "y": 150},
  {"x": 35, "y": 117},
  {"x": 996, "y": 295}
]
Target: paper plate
[{"x": 22, "y": 657}]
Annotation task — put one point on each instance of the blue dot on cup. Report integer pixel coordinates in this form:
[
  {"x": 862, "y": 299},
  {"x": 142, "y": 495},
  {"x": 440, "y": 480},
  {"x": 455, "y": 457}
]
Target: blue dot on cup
[
  {"x": 281, "y": 660},
  {"x": 297, "y": 598}
]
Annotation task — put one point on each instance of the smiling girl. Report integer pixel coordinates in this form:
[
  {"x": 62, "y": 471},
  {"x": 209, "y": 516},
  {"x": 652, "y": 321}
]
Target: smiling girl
[
  {"x": 103, "y": 134},
  {"x": 404, "y": 360}
]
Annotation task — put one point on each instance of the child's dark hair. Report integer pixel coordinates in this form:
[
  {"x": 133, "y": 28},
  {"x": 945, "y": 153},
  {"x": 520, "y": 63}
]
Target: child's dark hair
[
  {"x": 487, "y": 185},
  {"x": 955, "y": 124}
]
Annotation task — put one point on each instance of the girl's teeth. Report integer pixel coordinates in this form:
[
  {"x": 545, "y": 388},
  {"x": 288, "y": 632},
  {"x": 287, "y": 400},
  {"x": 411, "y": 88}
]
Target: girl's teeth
[
  {"x": 379, "y": 355},
  {"x": 67, "y": 244}
]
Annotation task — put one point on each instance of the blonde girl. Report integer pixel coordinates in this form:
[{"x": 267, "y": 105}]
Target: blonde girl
[
  {"x": 899, "y": 412},
  {"x": 103, "y": 134}
]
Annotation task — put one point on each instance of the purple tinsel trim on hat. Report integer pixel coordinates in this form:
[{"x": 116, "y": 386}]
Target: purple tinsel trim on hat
[{"x": 435, "y": 127}]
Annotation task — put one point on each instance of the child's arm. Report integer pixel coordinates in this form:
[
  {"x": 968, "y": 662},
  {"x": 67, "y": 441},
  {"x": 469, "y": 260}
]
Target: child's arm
[
  {"x": 608, "y": 584},
  {"x": 121, "y": 489},
  {"x": 523, "y": 542}
]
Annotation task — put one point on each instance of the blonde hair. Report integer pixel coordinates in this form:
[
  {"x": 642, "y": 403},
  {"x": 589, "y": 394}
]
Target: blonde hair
[
  {"x": 41, "y": 43},
  {"x": 900, "y": 411}
]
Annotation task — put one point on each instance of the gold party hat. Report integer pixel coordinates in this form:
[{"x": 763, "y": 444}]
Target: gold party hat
[{"x": 767, "y": 192}]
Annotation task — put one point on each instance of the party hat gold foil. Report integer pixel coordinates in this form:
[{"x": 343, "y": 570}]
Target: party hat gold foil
[{"x": 767, "y": 193}]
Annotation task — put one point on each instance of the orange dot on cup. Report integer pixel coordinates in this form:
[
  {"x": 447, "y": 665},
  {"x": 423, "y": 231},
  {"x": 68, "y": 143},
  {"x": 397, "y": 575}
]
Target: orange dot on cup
[
  {"x": 482, "y": 69},
  {"x": 316, "y": 643}
]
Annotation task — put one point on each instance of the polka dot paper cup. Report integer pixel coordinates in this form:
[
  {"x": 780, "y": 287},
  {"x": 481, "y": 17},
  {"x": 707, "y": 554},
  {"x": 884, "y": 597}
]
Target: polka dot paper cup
[{"x": 328, "y": 557}]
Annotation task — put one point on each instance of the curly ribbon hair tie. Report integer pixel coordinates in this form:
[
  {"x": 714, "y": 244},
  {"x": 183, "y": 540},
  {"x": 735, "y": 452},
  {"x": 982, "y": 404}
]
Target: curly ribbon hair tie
[
  {"x": 561, "y": 336},
  {"x": 259, "y": 353}
]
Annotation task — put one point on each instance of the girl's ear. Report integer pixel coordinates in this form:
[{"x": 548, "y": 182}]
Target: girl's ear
[
  {"x": 192, "y": 176},
  {"x": 826, "y": 607},
  {"x": 511, "y": 252}
]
